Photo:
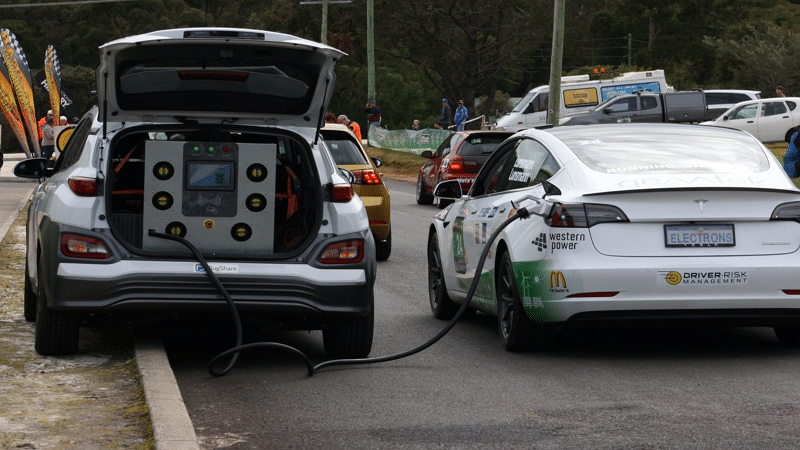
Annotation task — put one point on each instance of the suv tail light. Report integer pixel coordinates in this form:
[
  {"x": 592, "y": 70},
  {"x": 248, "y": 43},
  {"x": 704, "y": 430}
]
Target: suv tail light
[
  {"x": 347, "y": 252},
  {"x": 78, "y": 246},
  {"x": 471, "y": 166},
  {"x": 584, "y": 215},
  {"x": 83, "y": 187},
  {"x": 367, "y": 176},
  {"x": 342, "y": 193}
]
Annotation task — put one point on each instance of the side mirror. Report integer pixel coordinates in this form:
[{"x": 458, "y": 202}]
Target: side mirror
[
  {"x": 450, "y": 189},
  {"x": 34, "y": 168},
  {"x": 427, "y": 154},
  {"x": 377, "y": 161},
  {"x": 725, "y": 118},
  {"x": 609, "y": 110}
]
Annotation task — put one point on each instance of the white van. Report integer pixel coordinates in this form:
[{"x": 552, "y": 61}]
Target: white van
[{"x": 578, "y": 93}]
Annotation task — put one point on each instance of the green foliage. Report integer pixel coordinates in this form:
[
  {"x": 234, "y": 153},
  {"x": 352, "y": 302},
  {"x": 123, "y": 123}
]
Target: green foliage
[
  {"x": 763, "y": 58},
  {"x": 427, "y": 50}
]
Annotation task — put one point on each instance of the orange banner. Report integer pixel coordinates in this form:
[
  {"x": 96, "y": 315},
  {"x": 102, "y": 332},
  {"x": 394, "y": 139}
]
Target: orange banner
[
  {"x": 19, "y": 75},
  {"x": 9, "y": 104},
  {"x": 52, "y": 72}
]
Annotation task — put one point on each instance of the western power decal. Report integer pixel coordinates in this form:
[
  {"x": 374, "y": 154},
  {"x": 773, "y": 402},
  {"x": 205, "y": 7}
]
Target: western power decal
[
  {"x": 565, "y": 241},
  {"x": 558, "y": 283},
  {"x": 716, "y": 278},
  {"x": 540, "y": 242}
]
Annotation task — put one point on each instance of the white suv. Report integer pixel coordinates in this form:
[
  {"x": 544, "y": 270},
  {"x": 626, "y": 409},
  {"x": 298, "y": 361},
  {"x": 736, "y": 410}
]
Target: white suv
[
  {"x": 212, "y": 135},
  {"x": 720, "y": 100}
]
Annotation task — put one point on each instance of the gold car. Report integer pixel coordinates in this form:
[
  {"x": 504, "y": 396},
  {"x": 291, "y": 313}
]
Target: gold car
[{"x": 349, "y": 154}]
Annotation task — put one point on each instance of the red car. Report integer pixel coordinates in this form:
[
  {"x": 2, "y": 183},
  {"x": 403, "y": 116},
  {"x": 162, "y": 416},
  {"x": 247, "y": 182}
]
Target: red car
[{"x": 459, "y": 157}]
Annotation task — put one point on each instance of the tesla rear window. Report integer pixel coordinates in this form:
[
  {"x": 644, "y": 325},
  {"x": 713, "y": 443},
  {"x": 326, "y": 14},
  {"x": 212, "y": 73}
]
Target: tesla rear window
[
  {"x": 224, "y": 78},
  {"x": 668, "y": 150}
]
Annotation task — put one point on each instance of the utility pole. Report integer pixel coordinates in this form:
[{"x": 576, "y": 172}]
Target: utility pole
[
  {"x": 371, "y": 49},
  {"x": 554, "y": 108},
  {"x": 324, "y": 38}
]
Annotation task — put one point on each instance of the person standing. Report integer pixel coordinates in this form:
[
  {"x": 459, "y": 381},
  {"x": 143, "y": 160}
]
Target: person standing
[
  {"x": 461, "y": 116},
  {"x": 779, "y": 92},
  {"x": 415, "y": 125},
  {"x": 352, "y": 125},
  {"x": 444, "y": 119},
  {"x": 42, "y": 121},
  {"x": 792, "y": 157},
  {"x": 48, "y": 138},
  {"x": 373, "y": 114}
]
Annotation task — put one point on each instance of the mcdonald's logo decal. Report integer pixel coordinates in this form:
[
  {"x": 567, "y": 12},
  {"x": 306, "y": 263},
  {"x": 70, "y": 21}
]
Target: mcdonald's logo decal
[{"x": 557, "y": 281}]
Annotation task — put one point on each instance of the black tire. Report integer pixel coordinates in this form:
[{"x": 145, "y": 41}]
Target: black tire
[
  {"x": 29, "y": 306},
  {"x": 383, "y": 249},
  {"x": 423, "y": 197},
  {"x": 56, "y": 331},
  {"x": 350, "y": 338},
  {"x": 788, "y": 336},
  {"x": 441, "y": 306},
  {"x": 789, "y": 134},
  {"x": 517, "y": 331}
]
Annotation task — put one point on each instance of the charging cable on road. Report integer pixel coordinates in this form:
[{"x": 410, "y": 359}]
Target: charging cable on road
[{"x": 539, "y": 207}]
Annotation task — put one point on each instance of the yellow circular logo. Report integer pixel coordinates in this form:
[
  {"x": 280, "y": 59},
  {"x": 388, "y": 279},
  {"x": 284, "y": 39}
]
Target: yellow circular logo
[
  {"x": 209, "y": 224},
  {"x": 63, "y": 138},
  {"x": 674, "y": 278}
]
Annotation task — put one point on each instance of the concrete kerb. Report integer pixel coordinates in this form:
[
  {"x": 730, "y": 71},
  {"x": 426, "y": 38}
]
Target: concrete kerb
[{"x": 172, "y": 426}]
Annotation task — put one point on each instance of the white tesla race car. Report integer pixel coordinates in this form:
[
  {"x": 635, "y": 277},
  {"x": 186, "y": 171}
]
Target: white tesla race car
[{"x": 637, "y": 224}]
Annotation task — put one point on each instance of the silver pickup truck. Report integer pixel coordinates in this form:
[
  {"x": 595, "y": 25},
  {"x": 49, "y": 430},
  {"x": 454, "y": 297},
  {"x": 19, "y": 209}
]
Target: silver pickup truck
[{"x": 675, "y": 107}]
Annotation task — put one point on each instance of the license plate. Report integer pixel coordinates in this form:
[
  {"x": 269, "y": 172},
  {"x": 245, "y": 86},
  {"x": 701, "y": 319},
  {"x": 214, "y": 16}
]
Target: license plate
[{"x": 699, "y": 235}]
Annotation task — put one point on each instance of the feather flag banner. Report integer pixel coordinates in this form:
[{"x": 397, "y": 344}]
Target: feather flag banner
[
  {"x": 19, "y": 74},
  {"x": 8, "y": 103},
  {"x": 52, "y": 71}
]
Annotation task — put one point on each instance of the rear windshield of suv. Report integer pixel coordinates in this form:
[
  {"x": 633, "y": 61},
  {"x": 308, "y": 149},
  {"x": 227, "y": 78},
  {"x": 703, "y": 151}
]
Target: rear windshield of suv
[
  {"x": 481, "y": 145},
  {"x": 345, "y": 152},
  {"x": 223, "y": 78}
]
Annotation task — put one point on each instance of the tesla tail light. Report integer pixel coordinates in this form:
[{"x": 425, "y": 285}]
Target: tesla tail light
[
  {"x": 83, "y": 187},
  {"x": 347, "y": 252},
  {"x": 366, "y": 177},
  {"x": 786, "y": 211},
  {"x": 579, "y": 215},
  {"x": 342, "y": 193},
  {"x": 78, "y": 246}
]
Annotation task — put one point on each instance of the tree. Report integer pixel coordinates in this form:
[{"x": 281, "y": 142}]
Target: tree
[
  {"x": 764, "y": 58},
  {"x": 463, "y": 48}
]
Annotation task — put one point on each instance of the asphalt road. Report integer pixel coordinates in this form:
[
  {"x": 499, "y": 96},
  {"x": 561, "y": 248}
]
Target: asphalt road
[{"x": 670, "y": 388}]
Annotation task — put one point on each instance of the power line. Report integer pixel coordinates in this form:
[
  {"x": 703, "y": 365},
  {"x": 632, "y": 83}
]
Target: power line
[{"x": 84, "y": 2}]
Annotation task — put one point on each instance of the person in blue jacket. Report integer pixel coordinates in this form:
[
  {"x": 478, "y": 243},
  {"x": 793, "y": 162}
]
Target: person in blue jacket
[
  {"x": 792, "y": 157},
  {"x": 461, "y": 116}
]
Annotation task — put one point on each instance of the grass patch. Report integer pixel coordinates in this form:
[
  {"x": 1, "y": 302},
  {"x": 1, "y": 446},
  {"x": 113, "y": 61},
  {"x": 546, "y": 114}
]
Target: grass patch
[{"x": 397, "y": 164}]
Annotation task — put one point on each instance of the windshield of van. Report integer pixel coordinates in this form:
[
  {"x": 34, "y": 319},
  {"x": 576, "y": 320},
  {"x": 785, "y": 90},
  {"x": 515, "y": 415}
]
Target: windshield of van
[{"x": 524, "y": 102}]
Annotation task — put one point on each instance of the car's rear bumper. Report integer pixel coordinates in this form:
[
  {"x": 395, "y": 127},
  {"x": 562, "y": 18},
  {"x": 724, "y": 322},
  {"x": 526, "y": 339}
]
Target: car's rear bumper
[
  {"x": 744, "y": 291},
  {"x": 134, "y": 287}
]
